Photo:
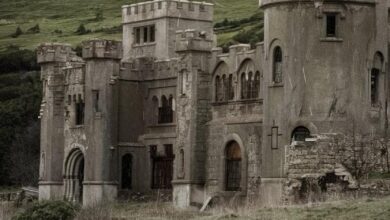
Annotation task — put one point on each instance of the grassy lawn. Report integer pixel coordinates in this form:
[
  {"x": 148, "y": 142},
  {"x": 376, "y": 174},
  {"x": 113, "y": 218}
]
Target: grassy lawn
[
  {"x": 58, "y": 20},
  {"x": 343, "y": 210}
]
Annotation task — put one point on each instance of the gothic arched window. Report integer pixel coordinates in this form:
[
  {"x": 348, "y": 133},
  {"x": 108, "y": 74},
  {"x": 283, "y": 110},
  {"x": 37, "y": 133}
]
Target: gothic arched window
[
  {"x": 218, "y": 89},
  {"x": 233, "y": 166},
  {"x": 225, "y": 88},
  {"x": 374, "y": 78},
  {"x": 256, "y": 90},
  {"x": 277, "y": 72},
  {"x": 155, "y": 110},
  {"x": 127, "y": 171},
  {"x": 244, "y": 86},
  {"x": 230, "y": 88}
]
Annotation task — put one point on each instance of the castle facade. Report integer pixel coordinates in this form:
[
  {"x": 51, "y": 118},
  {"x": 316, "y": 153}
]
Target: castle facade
[{"x": 167, "y": 109}]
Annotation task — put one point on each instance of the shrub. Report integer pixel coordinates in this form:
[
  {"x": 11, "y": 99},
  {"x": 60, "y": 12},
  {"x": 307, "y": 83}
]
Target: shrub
[
  {"x": 82, "y": 30},
  {"x": 48, "y": 210},
  {"x": 34, "y": 30},
  {"x": 17, "y": 33}
]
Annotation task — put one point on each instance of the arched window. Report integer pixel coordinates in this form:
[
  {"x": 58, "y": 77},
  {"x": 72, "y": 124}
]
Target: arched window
[
  {"x": 256, "y": 90},
  {"x": 165, "y": 111},
  {"x": 127, "y": 171},
  {"x": 231, "y": 87},
  {"x": 250, "y": 85},
  {"x": 218, "y": 89},
  {"x": 225, "y": 87},
  {"x": 233, "y": 166},
  {"x": 277, "y": 72},
  {"x": 244, "y": 87},
  {"x": 374, "y": 78},
  {"x": 300, "y": 134},
  {"x": 155, "y": 111}
]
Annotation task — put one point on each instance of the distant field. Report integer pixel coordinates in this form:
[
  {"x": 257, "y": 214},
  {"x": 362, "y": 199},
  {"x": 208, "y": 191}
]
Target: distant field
[{"x": 59, "y": 19}]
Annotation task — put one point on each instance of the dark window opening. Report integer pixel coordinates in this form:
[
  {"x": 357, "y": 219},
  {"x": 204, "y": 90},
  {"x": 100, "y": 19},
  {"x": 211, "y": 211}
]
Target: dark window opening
[
  {"x": 256, "y": 86},
  {"x": 137, "y": 35},
  {"x": 244, "y": 87},
  {"x": 277, "y": 76},
  {"x": 300, "y": 134},
  {"x": 127, "y": 170},
  {"x": 162, "y": 167},
  {"x": 374, "y": 86},
  {"x": 179, "y": 5},
  {"x": 230, "y": 88},
  {"x": 331, "y": 25},
  {"x": 166, "y": 111},
  {"x": 95, "y": 95},
  {"x": 145, "y": 34},
  {"x": 159, "y": 5},
  {"x": 80, "y": 113},
  {"x": 152, "y": 34},
  {"x": 233, "y": 167}
]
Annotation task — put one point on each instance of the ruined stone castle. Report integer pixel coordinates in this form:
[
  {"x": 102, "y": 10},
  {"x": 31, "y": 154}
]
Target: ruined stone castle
[{"x": 167, "y": 109}]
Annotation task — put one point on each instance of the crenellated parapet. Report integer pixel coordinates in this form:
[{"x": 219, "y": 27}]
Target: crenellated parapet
[
  {"x": 193, "y": 40},
  {"x": 54, "y": 52},
  {"x": 167, "y": 8},
  {"x": 103, "y": 49}
]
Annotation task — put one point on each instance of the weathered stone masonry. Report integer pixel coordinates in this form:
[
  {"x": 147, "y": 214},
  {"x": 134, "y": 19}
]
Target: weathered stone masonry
[{"x": 167, "y": 110}]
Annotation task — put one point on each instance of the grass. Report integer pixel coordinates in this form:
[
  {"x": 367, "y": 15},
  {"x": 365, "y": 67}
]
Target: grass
[
  {"x": 343, "y": 210},
  {"x": 58, "y": 20},
  {"x": 336, "y": 210}
]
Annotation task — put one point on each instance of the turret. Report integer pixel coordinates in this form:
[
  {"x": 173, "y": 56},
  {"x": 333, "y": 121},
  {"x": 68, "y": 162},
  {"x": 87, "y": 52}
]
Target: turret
[
  {"x": 325, "y": 72},
  {"x": 101, "y": 102},
  {"x": 192, "y": 115},
  {"x": 52, "y": 57}
]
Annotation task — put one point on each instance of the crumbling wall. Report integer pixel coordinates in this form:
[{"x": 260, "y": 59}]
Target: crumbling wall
[{"x": 332, "y": 162}]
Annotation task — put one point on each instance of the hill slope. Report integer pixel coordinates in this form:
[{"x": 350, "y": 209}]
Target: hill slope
[{"x": 58, "y": 20}]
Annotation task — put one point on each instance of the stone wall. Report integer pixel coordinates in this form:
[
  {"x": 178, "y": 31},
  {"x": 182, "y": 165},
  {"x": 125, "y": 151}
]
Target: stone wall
[{"x": 333, "y": 159}]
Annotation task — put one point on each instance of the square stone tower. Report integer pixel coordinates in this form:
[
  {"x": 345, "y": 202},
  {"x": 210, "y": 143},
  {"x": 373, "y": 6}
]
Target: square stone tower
[{"x": 149, "y": 28}]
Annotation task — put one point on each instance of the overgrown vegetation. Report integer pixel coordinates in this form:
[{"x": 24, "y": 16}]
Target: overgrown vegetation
[
  {"x": 48, "y": 210},
  {"x": 20, "y": 97}
]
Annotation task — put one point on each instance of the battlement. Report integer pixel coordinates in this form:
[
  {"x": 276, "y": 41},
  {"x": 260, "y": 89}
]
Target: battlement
[
  {"x": 167, "y": 8},
  {"x": 106, "y": 49},
  {"x": 54, "y": 52},
  {"x": 193, "y": 40},
  {"x": 267, "y": 3}
]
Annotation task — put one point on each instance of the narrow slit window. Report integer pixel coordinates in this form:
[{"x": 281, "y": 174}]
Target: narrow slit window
[
  {"x": 152, "y": 33},
  {"x": 374, "y": 86},
  {"x": 331, "y": 25},
  {"x": 137, "y": 35},
  {"x": 95, "y": 94},
  {"x": 145, "y": 34}
]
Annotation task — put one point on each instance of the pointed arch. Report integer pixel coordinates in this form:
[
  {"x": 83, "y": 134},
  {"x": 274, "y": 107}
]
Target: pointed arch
[{"x": 74, "y": 175}]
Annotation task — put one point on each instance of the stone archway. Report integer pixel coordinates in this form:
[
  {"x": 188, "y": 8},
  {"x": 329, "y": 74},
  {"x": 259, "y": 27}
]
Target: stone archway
[{"x": 74, "y": 176}]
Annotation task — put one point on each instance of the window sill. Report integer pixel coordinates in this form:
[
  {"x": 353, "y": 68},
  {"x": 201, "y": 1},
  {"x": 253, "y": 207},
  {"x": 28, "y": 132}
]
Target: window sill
[
  {"x": 231, "y": 102},
  {"x": 77, "y": 127},
  {"x": 162, "y": 125},
  {"x": 144, "y": 44},
  {"x": 275, "y": 85},
  {"x": 331, "y": 39}
]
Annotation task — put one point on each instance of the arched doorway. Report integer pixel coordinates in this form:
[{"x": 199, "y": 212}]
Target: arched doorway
[
  {"x": 127, "y": 171},
  {"x": 74, "y": 176},
  {"x": 233, "y": 167}
]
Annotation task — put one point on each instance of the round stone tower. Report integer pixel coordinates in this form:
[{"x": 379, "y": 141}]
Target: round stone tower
[{"x": 324, "y": 71}]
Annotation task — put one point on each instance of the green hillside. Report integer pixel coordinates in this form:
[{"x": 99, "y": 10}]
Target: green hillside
[{"x": 58, "y": 20}]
